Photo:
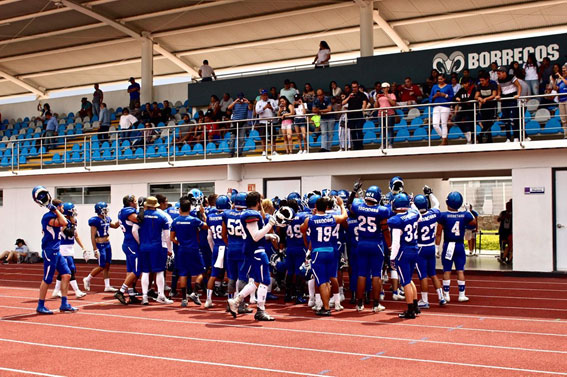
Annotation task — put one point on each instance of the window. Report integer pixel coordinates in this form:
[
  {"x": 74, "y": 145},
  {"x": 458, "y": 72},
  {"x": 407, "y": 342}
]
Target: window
[
  {"x": 84, "y": 195},
  {"x": 488, "y": 196},
  {"x": 173, "y": 191}
]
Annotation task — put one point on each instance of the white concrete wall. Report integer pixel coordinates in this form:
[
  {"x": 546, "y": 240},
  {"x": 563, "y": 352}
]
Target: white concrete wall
[{"x": 532, "y": 220}]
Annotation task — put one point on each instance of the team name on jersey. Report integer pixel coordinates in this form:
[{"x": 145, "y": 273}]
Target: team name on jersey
[{"x": 323, "y": 221}]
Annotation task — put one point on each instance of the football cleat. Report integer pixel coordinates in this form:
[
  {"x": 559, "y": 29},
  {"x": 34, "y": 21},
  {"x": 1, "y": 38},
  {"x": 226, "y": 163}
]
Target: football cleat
[
  {"x": 184, "y": 303},
  {"x": 261, "y": 315},
  {"x": 463, "y": 298},
  {"x": 110, "y": 289},
  {"x": 196, "y": 300},
  {"x": 209, "y": 304},
  {"x": 397, "y": 296},
  {"x": 417, "y": 311},
  {"x": 87, "y": 284},
  {"x": 338, "y": 307},
  {"x": 360, "y": 307},
  {"x": 145, "y": 300},
  {"x": 407, "y": 315},
  {"x": 253, "y": 300},
  {"x": 300, "y": 300},
  {"x": 164, "y": 300},
  {"x": 443, "y": 302},
  {"x": 423, "y": 304},
  {"x": 133, "y": 300},
  {"x": 244, "y": 309},
  {"x": 447, "y": 296},
  {"x": 79, "y": 294},
  {"x": 43, "y": 310},
  {"x": 323, "y": 312},
  {"x": 378, "y": 308},
  {"x": 120, "y": 297},
  {"x": 68, "y": 309},
  {"x": 152, "y": 294},
  {"x": 233, "y": 306},
  {"x": 311, "y": 302}
]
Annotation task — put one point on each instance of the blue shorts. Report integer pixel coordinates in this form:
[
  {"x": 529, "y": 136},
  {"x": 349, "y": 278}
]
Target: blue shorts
[
  {"x": 153, "y": 261},
  {"x": 189, "y": 262},
  {"x": 322, "y": 264},
  {"x": 260, "y": 267},
  {"x": 131, "y": 251},
  {"x": 459, "y": 258},
  {"x": 405, "y": 264},
  {"x": 370, "y": 258},
  {"x": 245, "y": 267},
  {"x": 426, "y": 262},
  {"x": 53, "y": 261},
  {"x": 70, "y": 263},
  {"x": 206, "y": 255},
  {"x": 232, "y": 267},
  {"x": 217, "y": 272},
  {"x": 104, "y": 254},
  {"x": 294, "y": 259}
]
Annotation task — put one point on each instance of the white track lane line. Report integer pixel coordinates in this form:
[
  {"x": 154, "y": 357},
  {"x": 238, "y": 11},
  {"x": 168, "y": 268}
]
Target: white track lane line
[
  {"x": 29, "y": 372},
  {"x": 139, "y": 355}
]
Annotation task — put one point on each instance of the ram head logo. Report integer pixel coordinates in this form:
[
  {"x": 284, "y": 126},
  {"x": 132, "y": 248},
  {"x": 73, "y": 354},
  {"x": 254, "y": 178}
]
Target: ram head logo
[{"x": 446, "y": 65}]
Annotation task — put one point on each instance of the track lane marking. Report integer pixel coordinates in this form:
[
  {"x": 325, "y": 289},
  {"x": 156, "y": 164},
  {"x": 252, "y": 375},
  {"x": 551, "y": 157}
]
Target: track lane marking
[{"x": 29, "y": 372}]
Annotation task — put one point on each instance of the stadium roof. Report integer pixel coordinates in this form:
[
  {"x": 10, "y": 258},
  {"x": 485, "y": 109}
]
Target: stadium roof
[{"x": 48, "y": 45}]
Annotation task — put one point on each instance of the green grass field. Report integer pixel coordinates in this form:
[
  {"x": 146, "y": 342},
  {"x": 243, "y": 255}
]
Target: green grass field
[{"x": 489, "y": 242}]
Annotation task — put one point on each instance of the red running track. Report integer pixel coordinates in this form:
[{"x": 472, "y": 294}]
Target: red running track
[{"x": 511, "y": 327}]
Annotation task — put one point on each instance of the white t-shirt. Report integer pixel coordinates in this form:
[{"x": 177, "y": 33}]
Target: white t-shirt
[
  {"x": 24, "y": 249},
  {"x": 323, "y": 55},
  {"x": 265, "y": 113},
  {"x": 206, "y": 70},
  {"x": 126, "y": 121},
  {"x": 301, "y": 110},
  {"x": 531, "y": 72}
]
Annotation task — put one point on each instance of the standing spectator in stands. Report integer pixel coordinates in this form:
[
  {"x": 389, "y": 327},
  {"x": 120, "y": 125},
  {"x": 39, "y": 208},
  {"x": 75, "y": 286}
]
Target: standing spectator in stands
[
  {"x": 308, "y": 95},
  {"x": 134, "y": 91},
  {"x": 225, "y": 101},
  {"x": 387, "y": 116},
  {"x": 293, "y": 86},
  {"x": 206, "y": 72},
  {"x": 545, "y": 71},
  {"x": 323, "y": 55},
  {"x": 509, "y": 90},
  {"x": 265, "y": 108},
  {"x": 166, "y": 112},
  {"x": 155, "y": 114},
  {"x": 344, "y": 131},
  {"x": 286, "y": 111},
  {"x": 239, "y": 110},
  {"x": 560, "y": 86},
  {"x": 356, "y": 101},
  {"x": 466, "y": 75},
  {"x": 274, "y": 93},
  {"x": 334, "y": 89},
  {"x": 455, "y": 83},
  {"x": 493, "y": 72},
  {"x": 485, "y": 95},
  {"x": 464, "y": 116},
  {"x": 104, "y": 119},
  {"x": 516, "y": 70},
  {"x": 98, "y": 97},
  {"x": 532, "y": 79},
  {"x": 409, "y": 93},
  {"x": 373, "y": 93},
  {"x": 287, "y": 91},
  {"x": 214, "y": 107},
  {"x": 441, "y": 93},
  {"x": 86, "y": 108},
  {"x": 300, "y": 123},
  {"x": 146, "y": 114},
  {"x": 43, "y": 109},
  {"x": 50, "y": 130},
  {"x": 322, "y": 106},
  {"x": 347, "y": 90},
  {"x": 127, "y": 124}
]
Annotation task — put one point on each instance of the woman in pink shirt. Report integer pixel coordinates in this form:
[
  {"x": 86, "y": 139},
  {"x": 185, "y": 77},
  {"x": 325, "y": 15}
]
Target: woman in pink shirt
[{"x": 387, "y": 116}]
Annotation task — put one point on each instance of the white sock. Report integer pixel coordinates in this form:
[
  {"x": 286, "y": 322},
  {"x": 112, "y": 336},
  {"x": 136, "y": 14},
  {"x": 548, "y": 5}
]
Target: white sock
[
  {"x": 440, "y": 294},
  {"x": 318, "y": 300},
  {"x": 425, "y": 296},
  {"x": 341, "y": 290},
  {"x": 160, "y": 282},
  {"x": 394, "y": 275},
  {"x": 57, "y": 285},
  {"x": 336, "y": 298},
  {"x": 107, "y": 283},
  {"x": 253, "y": 294},
  {"x": 461, "y": 284},
  {"x": 145, "y": 283},
  {"x": 271, "y": 284},
  {"x": 311, "y": 287},
  {"x": 236, "y": 290},
  {"x": 262, "y": 292},
  {"x": 209, "y": 294},
  {"x": 247, "y": 291},
  {"x": 88, "y": 278},
  {"x": 446, "y": 286},
  {"x": 73, "y": 284}
]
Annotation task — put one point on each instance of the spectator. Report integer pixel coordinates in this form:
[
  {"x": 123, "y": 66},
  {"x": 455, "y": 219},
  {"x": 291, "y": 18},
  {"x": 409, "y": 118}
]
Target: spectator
[
  {"x": 50, "y": 130},
  {"x": 211, "y": 128},
  {"x": 322, "y": 106},
  {"x": 286, "y": 112},
  {"x": 206, "y": 72},
  {"x": 155, "y": 113},
  {"x": 186, "y": 132},
  {"x": 441, "y": 93},
  {"x": 166, "y": 112},
  {"x": 334, "y": 89},
  {"x": 308, "y": 95},
  {"x": 239, "y": 110},
  {"x": 516, "y": 70},
  {"x": 18, "y": 254},
  {"x": 455, "y": 83},
  {"x": 409, "y": 93},
  {"x": 148, "y": 135},
  {"x": 545, "y": 71},
  {"x": 104, "y": 119},
  {"x": 43, "y": 109},
  {"x": 466, "y": 75},
  {"x": 288, "y": 91},
  {"x": 509, "y": 90},
  {"x": 127, "y": 124},
  {"x": 323, "y": 55},
  {"x": 294, "y": 87},
  {"x": 493, "y": 72},
  {"x": 98, "y": 97},
  {"x": 560, "y": 86},
  {"x": 464, "y": 116},
  {"x": 86, "y": 108},
  {"x": 347, "y": 90},
  {"x": 265, "y": 108},
  {"x": 427, "y": 86},
  {"x": 134, "y": 91},
  {"x": 300, "y": 122},
  {"x": 356, "y": 101},
  {"x": 532, "y": 79},
  {"x": 388, "y": 116},
  {"x": 372, "y": 95},
  {"x": 485, "y": 95},
  {"x": 214, "y": 108},
  {"x": 146, "y": 114},
  {"x": 137, "y": 111},
  {"x": 505, "y": 234},
  {"x": 199, "y": 130},
  {"x": 471, "y": 232},
  {"x": 274, "y": 93},
  {"x": 223, "y": 104},
  {"x": 344, "y": 132}
]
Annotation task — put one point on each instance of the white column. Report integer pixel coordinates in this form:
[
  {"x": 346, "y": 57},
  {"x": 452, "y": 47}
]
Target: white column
[
  {"x": 366, "y": 27},
  {"x": 146, "y": 94}
]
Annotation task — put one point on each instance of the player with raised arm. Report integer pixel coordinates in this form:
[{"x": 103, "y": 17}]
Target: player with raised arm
[
  {"x": 218, "y": 244},
  {"x": 128, "y": 217},
  {"x": 452, "y": 225},
  {"x": 99, "y": 225},
  {"x": 428, "y": 206},
  {"x": 404, "y": 227}
]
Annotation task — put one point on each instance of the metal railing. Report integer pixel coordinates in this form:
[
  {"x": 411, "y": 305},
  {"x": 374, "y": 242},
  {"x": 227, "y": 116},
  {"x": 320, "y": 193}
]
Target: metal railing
[{"x": 343, "y": 130}]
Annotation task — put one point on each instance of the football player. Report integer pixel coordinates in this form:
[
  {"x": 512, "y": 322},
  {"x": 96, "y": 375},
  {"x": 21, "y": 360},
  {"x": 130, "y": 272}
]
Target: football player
[
  {"x": 396, "y": 186},
  {"x": 101, "y": 245},
  {"x": 351, "y": 243},
  {"x": 295, "y": 255},
  {"x": 452, "y": 225},
  {"x": 217, "y": 244}
]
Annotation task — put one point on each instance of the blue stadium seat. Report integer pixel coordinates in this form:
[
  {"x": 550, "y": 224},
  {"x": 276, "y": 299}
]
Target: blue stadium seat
[
  {"x": 415, "y": 123},
  {"x": 198, "y": 149},
  {"x": 56, "y": 159},
  {"x": 107, "y": 155},
  {"x": 139, "y": 154},
  {"x": 249, "y": 145},
  {"x": 33, "y": 152},
  {"x": 151, "y": 151},
  {"x": 185, "y": 150},
  {"x": 255, "y": 135},
  {"x": 223, "y": 147},
  {"x": 76, "y": 157},
  {"x": 497, "y": 129},
  {"x": 369, "y": 138},
  {"x": 5, "y": 161},
  {"x": 162, "y": 151},
  {"x": 402, "y": 135},
  {"x": 533, "y": 128},
  {"x": 23, "y": 160},
  {"x": 552, "y": 126},
  {"x": 419, "y": 134},
  {"x": 128, "y": 154},
  {"x": 211, "y": 147}
]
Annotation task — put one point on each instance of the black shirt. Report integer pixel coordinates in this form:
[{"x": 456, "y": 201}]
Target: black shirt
[
  {"x": 354, "y": 103},
  {"x": 465, "y": 96}
]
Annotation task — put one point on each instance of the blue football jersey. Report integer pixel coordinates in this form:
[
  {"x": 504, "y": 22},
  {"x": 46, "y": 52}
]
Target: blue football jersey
[
  {"x": 101, "y": 225},
  {"x": 321, "y": 229},
  {"x": 454, "y": 224},
  {"x": 151, "y": 230},
  {"x": 247, "y": 217},
  {"x": 294, "y": 236},
  {"x": 369, "y": 219},
  {"x": 50, "y": 240},
  {"x": 234, "y": 229},
  {"x": 125, "y": 224},
  {"x": 352, "y": 231},
  {"x": 187, "y": 232},
  {"x": 408, "y": 224},
  {"x": 67, "y": 240},
  {"x": 203, "y": 242},
  {"x": 427, "y": 227},
  {"x": 173, "y": 212},
  {"x": 214, "y": 221}
]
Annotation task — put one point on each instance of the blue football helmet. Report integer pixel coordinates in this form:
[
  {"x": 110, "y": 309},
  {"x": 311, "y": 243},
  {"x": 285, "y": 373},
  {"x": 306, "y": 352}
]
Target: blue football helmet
[
  {"x": 276, "y": 202},
  {"x": 343, "y": 194},
  {"x": 421, "y": 202},
  {"x": 295, "y": 196},
  {"x": 373, "y": 193},
  {"x": 401, "y": 201},
  {"x": 454, "y": 200},
  {"x": 41, "y": 196},
  {"x": 233, "y": 194},
  {"x": 313, "y": 200},
  {"x": 357, "y": 202},
  {"x": 240, "y": 200},
  {"x": 333, "y": 193},
  {"x": 101, "y": 208},
  {"x": 325, "y": 192},
  {"x": 196, "y": 196},
  {"x": 223, "y": 202},
  {"x": 396, "y": 185},
  {"x": 69, "y": 209}
]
